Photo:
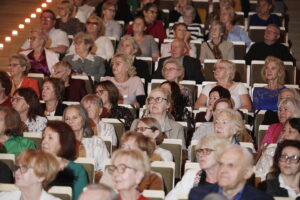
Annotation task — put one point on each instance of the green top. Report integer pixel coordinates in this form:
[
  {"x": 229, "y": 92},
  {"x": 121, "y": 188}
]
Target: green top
[
  {"x": 75, "y": 176},
  {"x": 17, "y": 144}
]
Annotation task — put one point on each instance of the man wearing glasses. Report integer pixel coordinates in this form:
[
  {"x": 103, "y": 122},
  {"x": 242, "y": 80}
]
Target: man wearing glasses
[{"x": 59, "y": 42}]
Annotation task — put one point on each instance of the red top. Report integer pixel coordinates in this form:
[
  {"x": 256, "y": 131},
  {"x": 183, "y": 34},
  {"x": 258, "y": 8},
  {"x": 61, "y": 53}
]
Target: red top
[{"x": 141, "y": 197}]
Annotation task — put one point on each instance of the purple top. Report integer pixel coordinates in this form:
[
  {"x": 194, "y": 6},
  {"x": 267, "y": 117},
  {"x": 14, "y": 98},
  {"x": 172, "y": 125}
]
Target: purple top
[{"x": 40, "y": 65}]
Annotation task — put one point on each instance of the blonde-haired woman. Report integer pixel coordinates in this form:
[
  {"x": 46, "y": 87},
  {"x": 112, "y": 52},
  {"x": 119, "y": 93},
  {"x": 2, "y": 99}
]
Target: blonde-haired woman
[
  {"x": 127, "y": 170},
  {"x": 131, "y": 87},
  {"x": 102, "y": 45},
  {"x": 173, "y": 70},
  {"x": 34, "y": 170},
  {"x": 112, "y": 27},
  {"x": 159, "y": 104},
  {"x": 224, "y": 72},
  {"x": 266, "y": 98},
  {"x": 66, "y": 22}
]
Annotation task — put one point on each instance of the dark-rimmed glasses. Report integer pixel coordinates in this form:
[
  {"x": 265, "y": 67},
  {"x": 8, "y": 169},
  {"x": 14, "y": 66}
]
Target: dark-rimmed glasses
[
  {"x": 292, "y": 159},
  {"x": 120, "y": 169}
]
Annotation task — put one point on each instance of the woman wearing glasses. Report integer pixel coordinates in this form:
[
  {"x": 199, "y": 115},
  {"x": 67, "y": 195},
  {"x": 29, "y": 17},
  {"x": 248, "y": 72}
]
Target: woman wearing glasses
[
  {"x": 109, "y": 94},
  {"x": 102, "y": 45},
  {"x": 208, "y": 150},
  {"x": 285, "y": 171},
  {"x": 112, "y": 27},
  {"x": 11, "y": 132},
  {"x": 27, "y": 103},
  {"x": 34, "y": 170},
  {"x": 127, "y": 170},
  {"x": 159, "y": 104},
  {"x": 224, "y": 72},
  {"x": 150, "y": 127}
]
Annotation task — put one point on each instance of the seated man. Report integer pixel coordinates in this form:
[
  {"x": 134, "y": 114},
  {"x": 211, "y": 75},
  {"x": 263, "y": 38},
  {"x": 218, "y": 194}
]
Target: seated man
[
  {"x": 98, "y": 192},
  {"x": 191, "y": 65},
  {"x": 269, "y": 47},
  {"x": 59, "y": 39},
  {"x": 236, "y": 166}
]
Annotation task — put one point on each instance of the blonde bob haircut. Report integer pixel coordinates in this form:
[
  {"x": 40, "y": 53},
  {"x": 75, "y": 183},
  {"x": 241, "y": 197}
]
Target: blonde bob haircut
[
  {"x": 292, "y": 104},
  {"x": 178, "y": 65},
  {"x": 229, "y": 66},
  {"x": 154, "y": 125},
  {"x": 127, "y": 60},
  {"x": 101, "y": 26},
  {"x": 234, "y": 117},
  {"x": 93, "y": 99},
  {"x": 215, "y": 142},
  {"x": 23, "y": 61},
  {"x": 43, "y": 164},
  {"x": 165, "y": 93},
  {"x": 137, "y": 159},
  {"x": 86, "y": 38},
  {"x": 230, "y": 11},
  {"x": 279, "y": 65},
  {"x": 68, "y": 5}
]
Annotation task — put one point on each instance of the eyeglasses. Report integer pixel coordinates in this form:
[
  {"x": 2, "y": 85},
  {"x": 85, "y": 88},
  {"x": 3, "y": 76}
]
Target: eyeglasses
[
  {"x": 23, "y": 168},
  {"x": 120, "y": 169},
  {"x": 204, "y": 151},
  {"x": 17, "y": 99},
  {"x": 46, "y": 18},
  {"x": 13, "y": 65},
  {"x": 142, "y": 129},
  {"x": 100, "y": 92},
  {"x": 155, "y": 100},
  {"x": 92, "y": 23},
  {"x": 292, "y": 159}
]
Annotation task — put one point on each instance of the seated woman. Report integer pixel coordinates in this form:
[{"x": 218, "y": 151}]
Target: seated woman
[
  {"x": 158, "y": 104},
  {"x": 35, "y": 169},
  {"x": 112, "y": 27},
  {"x": 102, "y": 45},
  {"x": 150, "y": 127},
  {"x": 82, "y": 11},
  {"x": 130, "y": 86},
  {"x": 176, "y": 13},
  {"x": 19, "y": 67},
  {"x": 27, "y": 103},
  {"x": 109, "y": 94},
  {"x": 89, "y": 145},
  {"x": 287, "y": 108},
  {"x": 59, "y": 140},
  {"x": 208, "y": 152},
  {"x": 273, "y": 73},
  {"x": 290, "y": 131},
  {"x": 94, "y": 107},
  {"x": 217, "y": 47},
  {"x": 74, "y": 88},
  {"x": 66, "y": 22},
  {"x": 179, "y": 103},
  {"x": 224, "y": 72},
  {"x": 51, "y": 94},
  {"x": 41, "y": 59},
  {"x": 285, "y": 171},
  {"x": 180, "y": 32},
  {"x": 83, "y": 61},
  {"x": 6, "y": 85},
  {"x": 154, "y": 26},
  {"x": 217, "y": 92},
  {"x": 188, "y": 16},
  {"x": 233, "y": 32},
  {"x": 263, "y": 16},
  {"x": 129, "y": 46},
  {"x": 127, "y": 170},
  {"x": 146, "y": 43},
  {"x": 11, "y": 132},
  {"x": 174, "y": 71}
]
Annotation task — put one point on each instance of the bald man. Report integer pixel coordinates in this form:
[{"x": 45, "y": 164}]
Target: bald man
[
  {"x": 98, "y": 192},
  {"x": 235, "y": 168},
  {"x": 191, "y": 65}
]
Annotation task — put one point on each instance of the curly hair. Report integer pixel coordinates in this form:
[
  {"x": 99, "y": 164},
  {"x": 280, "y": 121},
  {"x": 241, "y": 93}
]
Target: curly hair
[
  {"x": 279, "y": 66},
  {"x": 127, "y": 60}
]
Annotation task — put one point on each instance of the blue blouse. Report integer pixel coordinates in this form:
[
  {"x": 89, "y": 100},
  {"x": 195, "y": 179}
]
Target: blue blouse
[
  {"x": 265, "y": 99},
  {"x": 238, "y": 34}
]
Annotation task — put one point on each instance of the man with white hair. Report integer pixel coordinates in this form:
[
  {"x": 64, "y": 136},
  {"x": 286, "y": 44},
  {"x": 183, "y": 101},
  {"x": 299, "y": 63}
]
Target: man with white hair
[
  {"x": 98, "y": 192},
  {"x": 235, "y": 168}
]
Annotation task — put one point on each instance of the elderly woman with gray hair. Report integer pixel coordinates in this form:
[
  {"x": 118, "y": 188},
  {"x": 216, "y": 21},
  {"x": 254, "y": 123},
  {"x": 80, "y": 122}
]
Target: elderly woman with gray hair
[
  {"x": 19, "y": 66},
  {"x": 208, "y": 151},
  {"x": 131, "y": 87},
  {"x": 83, "y": 61},
  {"x": 40, "y": 58}
]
